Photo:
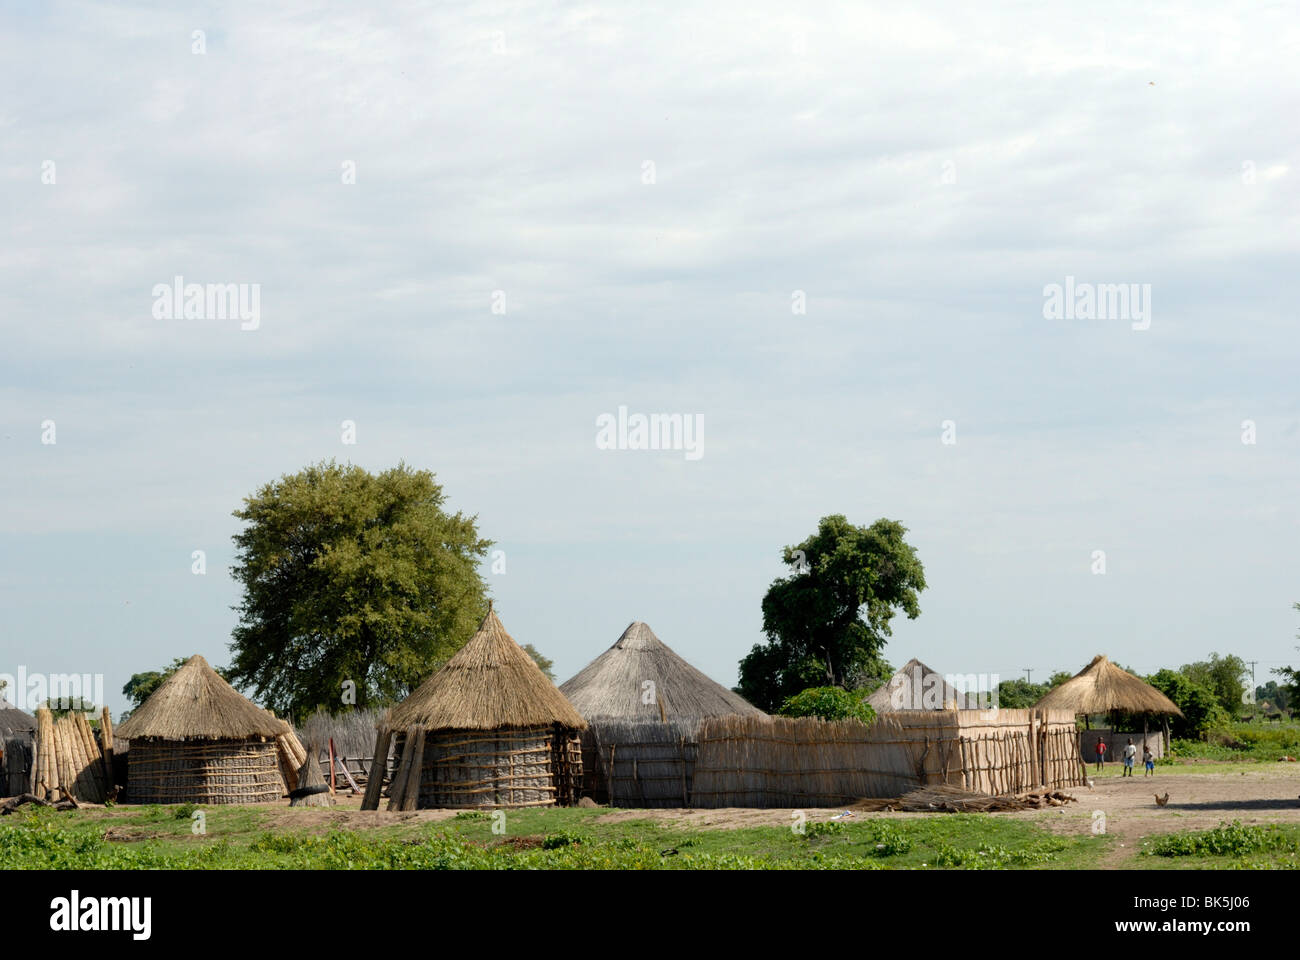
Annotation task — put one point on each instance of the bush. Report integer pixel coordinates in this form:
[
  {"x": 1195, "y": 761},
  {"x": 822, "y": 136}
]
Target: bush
[
  {"x": 1202, "y": 711},
  {"x": 828, "y": 703},
  {"x": 1225, "y": 840}
]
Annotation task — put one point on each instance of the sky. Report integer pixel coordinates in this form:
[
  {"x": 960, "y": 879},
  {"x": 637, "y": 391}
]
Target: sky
[{"x": 824, "y": 232}]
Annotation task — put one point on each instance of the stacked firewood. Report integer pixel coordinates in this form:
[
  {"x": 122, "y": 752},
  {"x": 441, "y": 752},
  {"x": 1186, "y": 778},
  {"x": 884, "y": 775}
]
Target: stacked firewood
[{"x": 942, "y": 798}]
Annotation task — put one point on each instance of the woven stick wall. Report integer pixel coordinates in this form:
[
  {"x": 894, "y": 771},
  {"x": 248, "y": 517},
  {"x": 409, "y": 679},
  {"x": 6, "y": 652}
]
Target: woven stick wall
[
  {"x": 783, "y": 761},
  {"x": 489, "y": 768},
  {"x": 640, "y": 763},
  {"x": 204, "y": 771}
]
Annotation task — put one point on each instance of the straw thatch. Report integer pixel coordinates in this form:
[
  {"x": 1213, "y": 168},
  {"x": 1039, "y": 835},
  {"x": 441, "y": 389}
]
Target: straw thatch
[
  {"x": 489, "y": 684},
  {"x": 312, "y": 790},
  {"x": 915, "y": 687},
  {"x": 1101, "y": 687},
  {"x": 195, "y": 703},
  {"x": 487, "y": 730},
  {"x": 640, "y": 763},
  {"x": 615, "y": 684}
]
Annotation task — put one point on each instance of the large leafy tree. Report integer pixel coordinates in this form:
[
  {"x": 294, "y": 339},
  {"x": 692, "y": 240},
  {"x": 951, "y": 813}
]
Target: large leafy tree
[
  {"x": 353, "y": 582},
  {"x": 827, "y": 621}
]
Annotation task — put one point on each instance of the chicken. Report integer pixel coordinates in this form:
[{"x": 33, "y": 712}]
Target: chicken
[{"x": 1161, "y": 801}]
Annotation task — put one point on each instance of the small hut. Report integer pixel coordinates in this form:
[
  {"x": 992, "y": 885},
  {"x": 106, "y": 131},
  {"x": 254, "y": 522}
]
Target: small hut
[
  {"x": 1101, "y": 687},
  {"x": 199, "y": 740},
  {"x": 643, "y": 705},
  {"x": 17, "y": 731},
  {"x": 916, "y": 687},
  {"x": 487, "y": 730}
]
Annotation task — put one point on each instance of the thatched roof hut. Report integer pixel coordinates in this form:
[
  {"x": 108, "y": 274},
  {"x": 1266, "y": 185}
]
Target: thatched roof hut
[
  {"x": 199, "y": 740},
  {"x": 615, "y": 683},
  {"x": 915, "y": 687},
  {"x": 644, "y": 705},
  {"x": 487, "y": 730},
  {"x": 1102, "y": 687}
]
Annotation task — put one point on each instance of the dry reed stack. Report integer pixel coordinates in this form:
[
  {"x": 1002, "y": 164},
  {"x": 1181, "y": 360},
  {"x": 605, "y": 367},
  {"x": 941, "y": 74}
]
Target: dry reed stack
[
  {"x": 69, "y": 760},
  {"x": 487, "y": 730},
  {"x": 198, "y": 740},
  {"x": 643, "y": 705}
]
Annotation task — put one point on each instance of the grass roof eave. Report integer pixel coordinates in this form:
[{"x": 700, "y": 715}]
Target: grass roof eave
[{"x": 195, "y": 703}]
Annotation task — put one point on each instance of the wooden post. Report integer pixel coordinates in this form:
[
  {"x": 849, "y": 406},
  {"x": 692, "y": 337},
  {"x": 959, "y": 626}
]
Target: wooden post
[
  {"x": 378, "y": 769},
  {"x": 411, "y": 797},
  {"x": 106, "y": 736},
  {"x": 331, "y": 764}
]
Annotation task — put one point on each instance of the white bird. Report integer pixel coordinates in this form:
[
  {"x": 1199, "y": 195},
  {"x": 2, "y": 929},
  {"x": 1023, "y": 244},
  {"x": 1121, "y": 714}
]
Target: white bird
[{"x": 1090, "y": 783}]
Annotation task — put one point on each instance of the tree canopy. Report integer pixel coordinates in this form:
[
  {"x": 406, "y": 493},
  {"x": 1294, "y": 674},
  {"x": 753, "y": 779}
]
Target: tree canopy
[
  {"x": 354, "y": 584},
  {"x": 1225, "y": 676},
  {"x": 827, "y": 621}
]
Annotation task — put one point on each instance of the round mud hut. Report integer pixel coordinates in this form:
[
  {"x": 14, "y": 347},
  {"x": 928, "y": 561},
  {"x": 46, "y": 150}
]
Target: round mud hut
[
  {"x": 487, "y": 730},
  {"x": 643, "y": 705},
  {"x": 199, "y": 740}
]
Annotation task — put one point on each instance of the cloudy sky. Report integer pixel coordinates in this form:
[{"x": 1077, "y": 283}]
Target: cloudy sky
[{"x": 645, "y": 194}]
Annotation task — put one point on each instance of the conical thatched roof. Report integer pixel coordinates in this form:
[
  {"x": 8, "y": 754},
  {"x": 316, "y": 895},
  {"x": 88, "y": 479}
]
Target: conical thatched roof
[
  {"x": 194, "y": 703},
  {"x": 1101, "y": 687},
  {"x": 612, "y": 684},
  {"x": 915, "y": 687},
  {"x": 489, "y": 684},
  {"x": 15, "y": 722}
]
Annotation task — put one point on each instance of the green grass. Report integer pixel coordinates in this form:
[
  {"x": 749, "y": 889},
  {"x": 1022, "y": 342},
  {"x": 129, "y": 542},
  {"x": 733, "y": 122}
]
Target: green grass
[
  {"x": 1228, "y": 846},
  {"x": 239, "y": 838}
]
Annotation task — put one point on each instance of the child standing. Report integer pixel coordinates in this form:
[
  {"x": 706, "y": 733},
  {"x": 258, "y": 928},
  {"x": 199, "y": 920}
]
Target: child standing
[
  {"x": 1130, "y": 754},
  {"x": 1101, "y": 753},
  {"x": 1148, "y": 761}
]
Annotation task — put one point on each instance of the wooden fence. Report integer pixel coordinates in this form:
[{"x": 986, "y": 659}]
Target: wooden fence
[{"x": 784, "y": 762}]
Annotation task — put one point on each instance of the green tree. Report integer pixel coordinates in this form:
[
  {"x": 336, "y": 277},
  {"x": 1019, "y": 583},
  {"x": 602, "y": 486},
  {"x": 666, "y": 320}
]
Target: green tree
[
  {"x": 826, "y": 622},
  {"x": 1020, "y": 694},
  {"x": 828, "y": 703},
  {"x": 1290, "y": 678},
  {"x": 541, "y": 661},
  {"x": 353, "y": 582},
  {"x": 1223, "y": 675},
  {"x": 1058, "y": 678},
  {"x": 1202, "y": 711},
  {"x": 62, "y": 706},
  {"x": 1274, "y": 695}
]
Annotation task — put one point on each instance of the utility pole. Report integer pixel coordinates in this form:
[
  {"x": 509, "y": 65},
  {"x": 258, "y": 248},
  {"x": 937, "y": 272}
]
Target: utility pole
[{"x": 1028, "y": 674}]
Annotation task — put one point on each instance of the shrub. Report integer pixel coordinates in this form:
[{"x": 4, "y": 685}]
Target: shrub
[{"x": 828, "y": 703}]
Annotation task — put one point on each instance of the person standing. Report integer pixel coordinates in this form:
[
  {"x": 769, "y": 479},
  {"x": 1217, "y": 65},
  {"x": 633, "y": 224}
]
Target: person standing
[
  {"x": 1130, "y": 754},
  {"x": 1148, "y": 761},
  {"x": 1101, "y": 753}
]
